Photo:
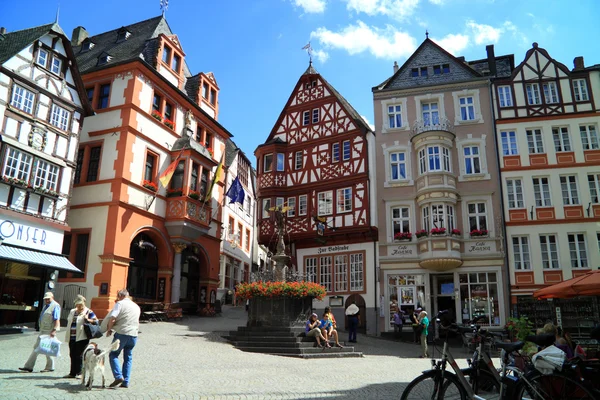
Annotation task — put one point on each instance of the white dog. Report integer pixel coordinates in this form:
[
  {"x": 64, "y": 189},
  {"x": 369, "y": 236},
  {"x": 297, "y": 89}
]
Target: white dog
[{"x": 93, "y": 360}]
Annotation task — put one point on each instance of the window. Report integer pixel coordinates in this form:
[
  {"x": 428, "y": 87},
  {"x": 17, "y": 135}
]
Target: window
[
  {"x": 589, "y": 137},
  {"x": 46, "y": 175},
  {"x": 477, "y": 216},
  {"x": 533, "y": 94},
  {"x": 325, "y": 203},
  {"x": 156, "y": 102},
  {"x": 472, "y": 163},
  {"x": 398, "y": 166},
  {"x": 213, "y": 97},
  {"x": 467, "y": 109},
  {"x": 169, "y": 111},
  {"x": 426, "y": 222},
  {"x": 514, "y": 193},
  {"x": 479, "y": 298},
  {"x": 568, "y": 185},
  {"x": 279, "y": 202},
  {"x": 594, "y": 183},
  {"x": 93, "y": 164},
  {"x": 550, "y": 92},
  {"x": 90, "y": 95},
  {"x": 268, "y": 163},
  {"x": 22, "y": 99},
  {"x": 541, "y": 190},
  {"x": 549, "y": 251},
  {"x": 319, "y": 270},
  {"x": 423, "y": 71},
  {"x": 446, "y": 158},
  {"x": 177, "y": 179},
  {"x": 335, "y": 152},
  {"x": 291, "y": 207},
  {"x": 344, "y": 200},
  {"x": 240, "y": 236},
  {"x": 194, "y": 175},
  {"x": 60, "y": 117},
  {"x": 306, "y": 118},
  {"x": 76, "y": 254},
  {"x": 357, "y": 272},
  {"x": 302, "y": 205},
  {"x": 247, "y": 240},
  {"x": 509, "y": 143},
  {"x": 299, "y": 160},
  {"x": 446, "y": 68},
  {"x": 121, "y": 36},
  {"x": 400, "y": 220},
  {"x": 437, "y": 216},
  {"x": 580, "y": 90},
  {"x": 55, "y": 68},
  {"x": 430, "y": 113},
  {"x": 415, "y": 72},
  {"x": 325, "y": 269},
  {"x": 243, "y": 167},
  {"x": 103, "y": 96},
  {"x": 561, "y": 139},
  {"x": 176, "y": 63},
  {"x": 534, "y": 141},
  {"x": 205, "y": 90},
  {"x": 395, "y": 116},
  {"x": 521, "y": 252},
  {"x": 341, "y": 272},
  {"x": 208, "y": 140},
  {"x": 265, "y": 209},
  {"x": 231, "y": 227},
  {"x": 346, "y": 154},
  {"x": 204, "y": 183},
  {"x": 42, "y": 58},
  {"x": 433, "y": 156},
  {"x": 17, "y": 164},
  {"x": 437, "y": 69},
  {"x": 505, "y": 96},
  {"x": 79, "y": 166},
  {"x": 280, "y": 161},
  {"x": 315, "y": 115},
  {"x": 429, "y": 159},
  {"x": 87, "y": 45},
  {"x": 166, "y": 55},
  {"x": 310, "y": 269},
  {"x": 577, "y": 250}
]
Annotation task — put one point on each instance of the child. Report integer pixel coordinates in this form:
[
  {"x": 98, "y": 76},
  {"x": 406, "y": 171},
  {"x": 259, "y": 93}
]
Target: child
[{"x": 312, "y": 330}]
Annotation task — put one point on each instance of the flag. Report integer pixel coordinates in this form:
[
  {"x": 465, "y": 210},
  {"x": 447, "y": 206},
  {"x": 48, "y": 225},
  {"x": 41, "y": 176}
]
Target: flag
[
  {"x": 164, "y": 5},
  {"x": 166, "y": 176},
  {"x": 215, "y": 178},
  {"x": 307, "y": 46},
  {"x": 236, "y": 192}
]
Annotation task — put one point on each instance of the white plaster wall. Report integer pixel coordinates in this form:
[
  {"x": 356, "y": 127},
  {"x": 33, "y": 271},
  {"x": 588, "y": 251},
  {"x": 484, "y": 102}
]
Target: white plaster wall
[
  {"x": 117, "y": 91},
  {"x": 92, "y": 194}
]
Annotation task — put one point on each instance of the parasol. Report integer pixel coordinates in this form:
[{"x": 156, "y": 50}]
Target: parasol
[
  {"x": 583, "y": 285},
  {"x": 352, "y": 309}
]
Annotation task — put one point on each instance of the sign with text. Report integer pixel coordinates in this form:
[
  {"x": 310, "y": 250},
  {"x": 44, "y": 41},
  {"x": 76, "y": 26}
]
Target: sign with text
[
  {"x": 333, "y": 249},
  {"x": 402, "y": 250},
  {"x": 31, "y": 235},
  {"x": 480, "y": 247}
]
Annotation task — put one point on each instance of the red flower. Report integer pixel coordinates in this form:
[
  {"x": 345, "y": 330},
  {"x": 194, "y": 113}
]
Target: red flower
[
  {"x": 438, "y": 231},
  {"x": 150, "y": 185}
]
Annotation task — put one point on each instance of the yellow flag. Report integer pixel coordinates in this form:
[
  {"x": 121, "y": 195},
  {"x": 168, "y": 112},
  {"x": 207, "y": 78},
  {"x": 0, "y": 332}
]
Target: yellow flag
[
  {"x": 166, "y": 176},
  {"x": 216, "y": 178}
]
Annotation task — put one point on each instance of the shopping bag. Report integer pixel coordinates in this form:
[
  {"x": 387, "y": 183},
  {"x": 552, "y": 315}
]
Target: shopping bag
[
  {"x": 49, "y": 346},
  {"x": 92, "y": 331},
  {"x": 548, "y": 360}
]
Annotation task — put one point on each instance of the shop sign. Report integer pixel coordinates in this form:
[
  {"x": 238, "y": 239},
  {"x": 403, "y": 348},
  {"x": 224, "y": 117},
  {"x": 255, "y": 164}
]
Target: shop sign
[
  {"x": 332, "y": 249},
  {"x": 25, "y": 234},
  {"x": 479, "y": 247},
  {"x": 402, "y": 250}
]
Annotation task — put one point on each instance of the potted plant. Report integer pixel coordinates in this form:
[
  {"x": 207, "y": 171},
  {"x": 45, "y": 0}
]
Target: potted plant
[
  {"x": 46, "y": 192},
  {"x": 156, "y": 115},
  {"x": 479, "y": 232},
  {"x": 210, "y": 150},
  {"x": 150, "y": 185},
  {"x": 438, "y": 231},
  {"x": 455, "y": 232},
  {"x": 194, "y": 195},
  {"x": 403, "y": 236},
  {"x": 280, "y": 289},
  {"x": 174, "y": 192},
  {"x": 169, "y": 123},
  {"x": 14, "y": 181},
  {"x": 421, "y": 233}
]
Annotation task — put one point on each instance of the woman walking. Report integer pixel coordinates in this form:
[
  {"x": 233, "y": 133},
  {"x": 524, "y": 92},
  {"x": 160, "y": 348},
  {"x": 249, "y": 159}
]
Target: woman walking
[
  {"x": 76, "y": 336},
  {"x": 424, "y": 322},
  {"x": 353, "y": 313}
]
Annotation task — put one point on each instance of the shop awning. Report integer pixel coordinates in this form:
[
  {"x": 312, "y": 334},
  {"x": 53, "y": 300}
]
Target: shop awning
[{"x": 48, "y": 260}]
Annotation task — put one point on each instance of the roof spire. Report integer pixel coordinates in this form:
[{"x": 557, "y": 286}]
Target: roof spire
[
  {"x": 426, "y": 34},
  {"x": 57, "y": 12},
  {"x": 164, "y": 6},
  {"x": 309, "y": 50}
]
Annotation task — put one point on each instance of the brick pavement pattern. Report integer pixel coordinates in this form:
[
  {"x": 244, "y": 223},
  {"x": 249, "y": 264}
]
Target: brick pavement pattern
[{"x": 188, "y": 359}]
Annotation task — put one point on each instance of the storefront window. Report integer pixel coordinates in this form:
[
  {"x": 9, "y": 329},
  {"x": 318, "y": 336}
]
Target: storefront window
[
  {"x": 479, "y": 298},
  {"x": 20, "y": 289},
  {"x": 405, "y": 292}
]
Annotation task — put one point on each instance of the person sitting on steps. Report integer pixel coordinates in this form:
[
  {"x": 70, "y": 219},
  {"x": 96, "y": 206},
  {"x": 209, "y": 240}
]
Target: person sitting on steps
[
  {"x": 313, "y": 330},
  {"x": 327, "y": 329}
]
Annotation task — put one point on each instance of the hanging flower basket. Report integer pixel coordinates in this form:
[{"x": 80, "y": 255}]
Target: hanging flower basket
[
  {"x": 174, "y": 192},
  {"x": 421, "y": 233},
  {"x": 438, "y": 231},
  {"x": 479, "y": 232},
  {"x": 194, "y": 195},
  {"x": 169, "y": 123},
  {"x": 157, "y": 116},
  {"x": 403, "y": 236},
  {"x": 150, "y": 185},
  {"x": 280, "y": 289}
]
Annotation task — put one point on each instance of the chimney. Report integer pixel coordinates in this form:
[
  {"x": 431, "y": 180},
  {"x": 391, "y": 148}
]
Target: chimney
[
  {"x": 79, "y": 35},
  {"x": 578, "y": 63},
  {"x": 491, "y": 59},
  {"x": 395, "y": 66},
  {"x": 2, "y": 30},
  {"x": 461, "y": 58}
]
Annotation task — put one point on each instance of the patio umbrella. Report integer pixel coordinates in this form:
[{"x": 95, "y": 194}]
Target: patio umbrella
[
  {"x": 352, "y": 309},
  {"x": 584, "y": 285}
]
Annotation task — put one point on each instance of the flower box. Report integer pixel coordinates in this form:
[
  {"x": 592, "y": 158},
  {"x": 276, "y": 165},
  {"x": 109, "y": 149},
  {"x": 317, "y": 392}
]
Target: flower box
[
  {"x": 157, "y": 116},
  {"x": 45, "y": 192},
  {"x": 479, "y": 232},
  {"x": 210, "y": 150},
  {"x": 169, "y": 123},
  {"x": 455, "y": 232},
  {"x": 421, "y": 233},
  {"x": 174, "y": 192},
  {"x": 194, "y": 195},
  {"x": 15, "y": 181},
  {"x": 150, "y": 185},
  {"x": 438, "y": 231},
  {"x": 403, "y": 236}
]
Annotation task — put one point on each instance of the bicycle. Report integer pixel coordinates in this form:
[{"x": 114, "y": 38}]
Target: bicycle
[{"x": 438, "y": 383}]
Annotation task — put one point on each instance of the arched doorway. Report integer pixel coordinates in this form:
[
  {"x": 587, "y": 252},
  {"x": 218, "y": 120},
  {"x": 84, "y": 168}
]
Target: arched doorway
[
  {"x": 190, "y": 275},
  {"x": 360, "y": 303},
  {"x": 143, "y": 268}
]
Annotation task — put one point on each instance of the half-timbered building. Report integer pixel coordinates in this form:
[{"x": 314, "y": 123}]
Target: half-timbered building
[
  {"x": 42, "y": 107},
  {"x": 440, "y": 228},
  {"x": 316, "y": 165},
  {"x": 547, "y": 132}
]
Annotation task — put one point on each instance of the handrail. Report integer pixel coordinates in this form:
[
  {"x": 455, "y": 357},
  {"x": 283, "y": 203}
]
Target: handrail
[{"x": 443, "y": 124}]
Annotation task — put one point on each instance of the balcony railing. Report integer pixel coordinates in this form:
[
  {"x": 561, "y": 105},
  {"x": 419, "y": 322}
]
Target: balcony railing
[
  {"x": 186, "y": 207},
  {"x": 443, "y": 124}
]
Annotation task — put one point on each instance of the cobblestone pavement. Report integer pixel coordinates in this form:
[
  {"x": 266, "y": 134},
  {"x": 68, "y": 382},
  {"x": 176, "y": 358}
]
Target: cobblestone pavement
[{"x": 189, "y": 359}]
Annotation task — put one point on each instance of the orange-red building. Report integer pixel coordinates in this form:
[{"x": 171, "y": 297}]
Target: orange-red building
[{"x": 129, "y": 231}]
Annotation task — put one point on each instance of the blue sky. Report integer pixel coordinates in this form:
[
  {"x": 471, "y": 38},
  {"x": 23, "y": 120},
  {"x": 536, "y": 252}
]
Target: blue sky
[{"x": 254, "y": 46}]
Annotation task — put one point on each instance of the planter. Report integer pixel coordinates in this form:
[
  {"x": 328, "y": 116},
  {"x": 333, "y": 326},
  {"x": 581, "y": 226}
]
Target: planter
[
  {"x": 279, "y": 311},
  {"x": 175, "y": 194},
  {"x": 479, "y": 236},
  {"x": 402, "y": 240},
  {"x": 438, "y": 234}
]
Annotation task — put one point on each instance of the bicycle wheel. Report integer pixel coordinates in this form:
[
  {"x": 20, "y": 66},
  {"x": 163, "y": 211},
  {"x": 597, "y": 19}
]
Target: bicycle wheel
[
  {"x": 484, "y": 385},
  {"x": 427, "y": 386},
  {"x": 553, "y": 386}
]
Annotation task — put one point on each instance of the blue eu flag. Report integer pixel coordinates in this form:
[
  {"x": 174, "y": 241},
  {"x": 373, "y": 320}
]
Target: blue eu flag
[{"x": 236, "y": 192}]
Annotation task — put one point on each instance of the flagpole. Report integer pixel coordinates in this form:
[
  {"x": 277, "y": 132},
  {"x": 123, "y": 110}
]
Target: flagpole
[{"x": 160, "y": 183}]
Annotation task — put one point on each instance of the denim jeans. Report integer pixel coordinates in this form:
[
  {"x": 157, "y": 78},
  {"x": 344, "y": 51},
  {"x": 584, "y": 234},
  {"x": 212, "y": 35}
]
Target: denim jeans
[{"x": 127, "y": 344}]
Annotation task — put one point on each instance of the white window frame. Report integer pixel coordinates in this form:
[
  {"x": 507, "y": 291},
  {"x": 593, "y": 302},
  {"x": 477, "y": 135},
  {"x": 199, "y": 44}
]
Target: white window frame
[
  {"x": 535, "y": 141},
  {"x": 45, "y": 57},
  {"x": 589, "y": 137},
  {"x": 60, "y": 117},
  {"x": 514, "y": 193},
  {"x": 357, "y": 272},
  {"x": 280, "y": 162},
  {"x": 397, "y": 164},
  {"x": 17, "y": 164},
  {"x": 23, "y": 99},
  {"x": 335, "y": 152},
  {"x": 578, "y": 250},
  {"x": 344, "y": 200},
  {"x": 325, "y": 202},
  {"x": 340, "y": 262},
  {"x": 543, "y": 196},
  {"x": 561, "y": 138},
  {"x": 569, "y": 190},
  {"x": 476, "y": 216},
  {"x": 56, "y": 65},
  {"x": 549, "y": 250},
  {"x": 397, "y": 223},
  {"x": 302, "y": 204},
  {"x": 299, "y": 160},
  {"x": 438, "y": 215},
  {"x": 279, "y": 202},
  {"x": 508, "y": 140},
  {"x": 505, "y": 96},
  {"x": 550, "y": 92},
  {"x": 306, "y": 118},
  {"x": 472, "y": 159},
  {"x": 346, "y": 150},
  {"x": 594, "y": 185},
  {"x": 467, "y": 109},
  {"x": 580, "y": 90},
  {"x": 394, "y": 114},
  {"x": 291, "y": 203},
  {"x": 310, "y": 269},
  {"x": 315, "y": 115},
  {"x": 432, "y": 114},
  {"x": 521, "y": 253},
  {"x": 534, "y": 97},
  {"x": 46, "y": 175},
  {"x": 387, "y": 154},
  {"x": 426, "y": 223},
  {"x": 269, "y": 164},
  {"x": 325, "y": 273},
  {"x": 385, "y": 104}
]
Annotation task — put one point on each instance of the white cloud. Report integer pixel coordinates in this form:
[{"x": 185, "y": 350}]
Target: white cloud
[
  {"x": 387, "y": 43},
  {"x": 484, "y": 33},
  {"x": 311, "y": 6},
  {"x": 437, "y": 2},
  {"x": 368, "y": 123},
  {"x": 397, "y": 9},
  {"x": 452, "y": 43},
  {"x": 320, "y": 55}
]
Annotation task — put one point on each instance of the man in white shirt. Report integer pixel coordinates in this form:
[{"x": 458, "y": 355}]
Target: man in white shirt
[{"x": 124, "y": 322}]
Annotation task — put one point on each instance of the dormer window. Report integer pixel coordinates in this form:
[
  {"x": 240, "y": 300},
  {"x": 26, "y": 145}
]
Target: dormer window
[
  {"x": 166, "y": 55},
  {"x": 446, "y": 68},
  {"x": 437, "y": 69},
  {"x": 87, "y": 45},
  {"x": 415, "y": 72},
  {"x": 423, "y": 71},
  {"x": 104, "y": 59},
  {"x": 205, "y": 90},
  {"x": 176, "y": 63},
  {"x": 42, "y": 58},
  {"x": 122, "y": 35},
  {"x": 213, "y": 97},
  {"x": 56, "y": 65}
]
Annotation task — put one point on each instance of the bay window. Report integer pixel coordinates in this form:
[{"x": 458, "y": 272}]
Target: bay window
[
  {"x": 433, "y": 159},
  {"x": 438, "y": 216}
]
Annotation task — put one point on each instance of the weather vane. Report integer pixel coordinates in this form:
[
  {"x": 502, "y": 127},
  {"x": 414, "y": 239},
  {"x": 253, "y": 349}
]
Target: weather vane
[
  {"x": 164, "y": 6},
  {"x": 309, "y": 50}
]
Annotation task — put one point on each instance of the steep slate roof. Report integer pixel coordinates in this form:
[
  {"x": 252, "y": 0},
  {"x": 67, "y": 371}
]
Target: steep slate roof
[
  {"x": 504, "y": 66},
  {"x": 427, "y": 54},
  {"x": 13, "y": 42}
]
